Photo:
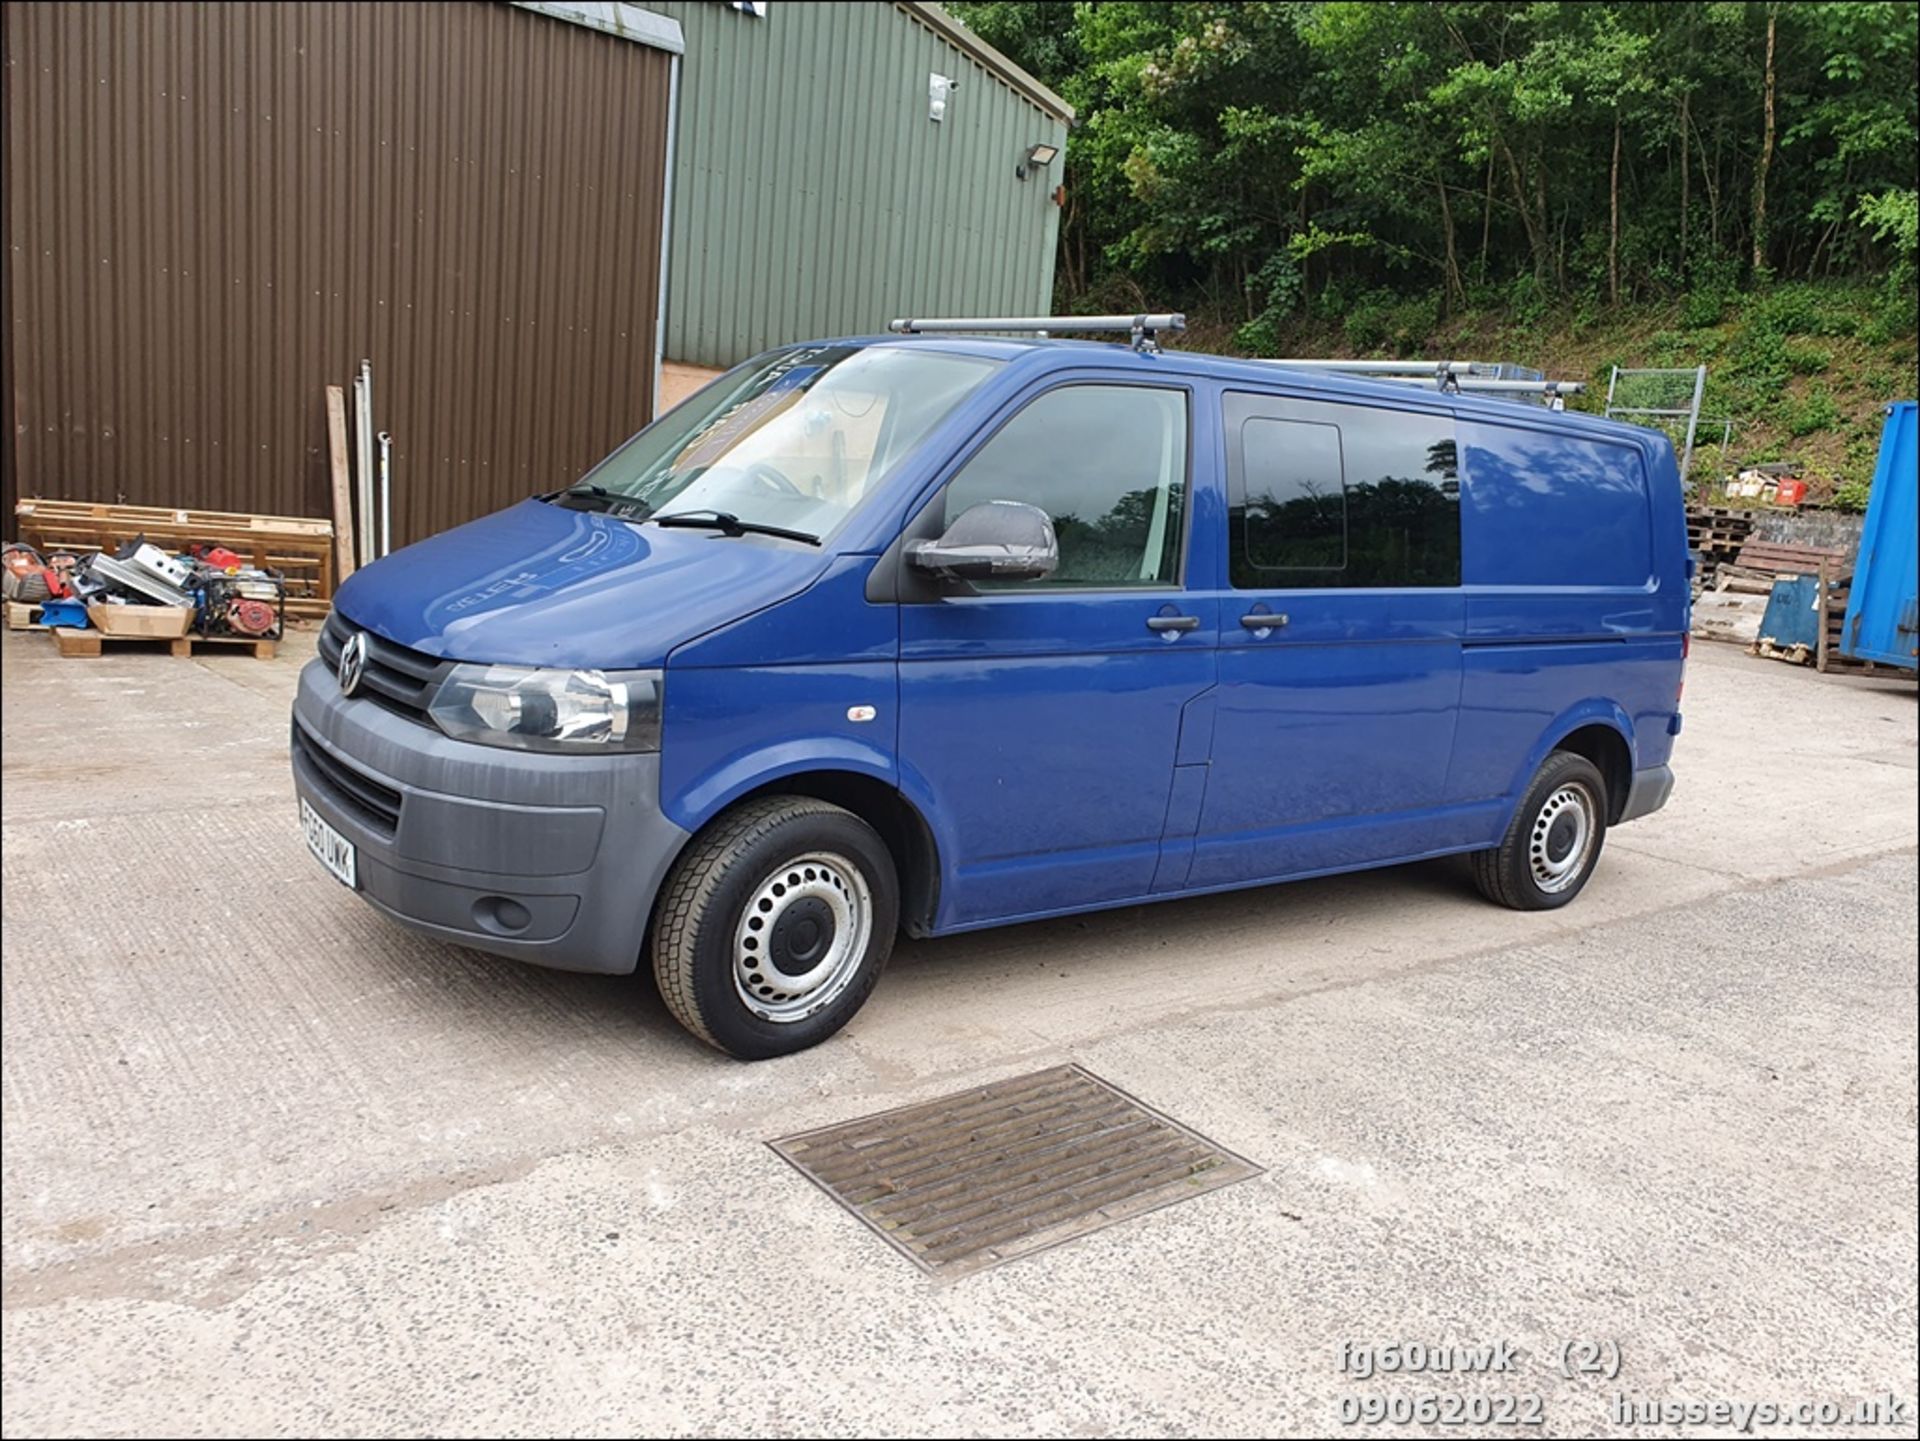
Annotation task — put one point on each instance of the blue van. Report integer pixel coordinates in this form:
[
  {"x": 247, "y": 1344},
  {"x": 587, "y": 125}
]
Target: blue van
[{"x": 943, "y": 632}]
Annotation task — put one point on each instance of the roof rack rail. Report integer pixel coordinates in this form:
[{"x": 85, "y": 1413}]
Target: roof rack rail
[
  {"x": 1142, "y": 328},
  {"x": 1449, "y": 377}
]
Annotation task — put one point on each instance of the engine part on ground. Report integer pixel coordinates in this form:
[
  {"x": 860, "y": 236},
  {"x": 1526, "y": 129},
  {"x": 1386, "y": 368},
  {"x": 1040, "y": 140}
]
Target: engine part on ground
[
  {"x": 64, "y": 613},
  {"x": 87, "y": 586},
  {"x": 217, "y": 556},
  {"x": 156, "y": 562},
  {"x": 60, "y": 568},
  {"x": 252, "y": 604},
  {"x": 23, "y": 575},
  {"x": 251, "y": 617},
  {"x": 126, "y": 575}
]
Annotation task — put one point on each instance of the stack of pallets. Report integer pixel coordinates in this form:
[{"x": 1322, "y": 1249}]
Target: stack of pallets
[
  {"x": 1833, "y": 635},
  {"x": 1762, "y": 562},
  {"x": 298, "y": 547},
  {"x": 1715, "y": 534}
]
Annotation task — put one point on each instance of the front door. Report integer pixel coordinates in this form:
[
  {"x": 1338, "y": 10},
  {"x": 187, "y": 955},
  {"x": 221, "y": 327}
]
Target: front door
[
  {"x": 1340, "y": 653},
  {"x": 1040, "y": 721}
]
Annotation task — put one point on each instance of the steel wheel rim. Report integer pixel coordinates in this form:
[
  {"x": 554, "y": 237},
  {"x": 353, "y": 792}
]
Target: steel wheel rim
[
  {"x": 776, "y": 971},
  {"x": 1562, "y": 838}
]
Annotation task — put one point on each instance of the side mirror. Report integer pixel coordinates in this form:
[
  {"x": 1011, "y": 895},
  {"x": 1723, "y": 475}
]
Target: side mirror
[{"x": 995, "y": 540}]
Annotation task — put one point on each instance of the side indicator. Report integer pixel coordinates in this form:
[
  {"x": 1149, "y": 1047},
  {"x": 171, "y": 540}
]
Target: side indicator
[{"x": 859, "y": 713}]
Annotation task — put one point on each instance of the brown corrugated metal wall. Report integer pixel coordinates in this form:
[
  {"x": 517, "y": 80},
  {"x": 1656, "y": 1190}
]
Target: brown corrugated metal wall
[{"x": 215, "y": 210}]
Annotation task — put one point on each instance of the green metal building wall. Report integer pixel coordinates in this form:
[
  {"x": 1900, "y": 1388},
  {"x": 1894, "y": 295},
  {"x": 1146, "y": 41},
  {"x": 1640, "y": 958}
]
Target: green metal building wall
[{"x": 812, "y": 195}]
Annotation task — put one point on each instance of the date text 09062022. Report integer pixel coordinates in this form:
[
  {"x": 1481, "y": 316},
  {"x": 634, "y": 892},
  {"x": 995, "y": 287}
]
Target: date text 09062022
[{"x": 1429, "y": 1409}]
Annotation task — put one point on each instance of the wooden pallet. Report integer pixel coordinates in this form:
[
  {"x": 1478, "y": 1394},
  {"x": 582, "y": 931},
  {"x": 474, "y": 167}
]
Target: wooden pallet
[
  {"x": 23, "y": 616},
  {"x": 1829, "y": 659},
  {"x": 87, "y": 643},
  {"x": 1799, "y": 653},
  {"x": 299, "y": 547},
  {"x": 1767, "y": 555}
]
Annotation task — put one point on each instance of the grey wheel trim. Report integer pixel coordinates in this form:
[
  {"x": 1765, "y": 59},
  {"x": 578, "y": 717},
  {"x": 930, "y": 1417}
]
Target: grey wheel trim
[
  {"x": 819, "y": 883},
  {"x": 1561, "y": 840}
]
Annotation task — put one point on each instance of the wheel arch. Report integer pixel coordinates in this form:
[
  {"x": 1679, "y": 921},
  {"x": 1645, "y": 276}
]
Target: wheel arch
[
  {"x": 1612, "y": 756},
  {"x": 1596, "y": 728},
  {"x": 908, "y": 837}
]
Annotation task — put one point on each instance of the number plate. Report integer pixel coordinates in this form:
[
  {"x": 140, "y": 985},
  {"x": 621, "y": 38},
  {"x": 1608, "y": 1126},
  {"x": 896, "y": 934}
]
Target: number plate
[{"x": 329, "y": 847}]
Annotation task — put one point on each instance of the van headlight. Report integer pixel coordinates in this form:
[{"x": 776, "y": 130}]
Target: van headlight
[{"x": 575, "y": 711}]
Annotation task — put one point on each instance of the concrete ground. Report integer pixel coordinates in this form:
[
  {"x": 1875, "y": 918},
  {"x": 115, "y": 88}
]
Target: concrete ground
[{"x": 273, "y": 1166}]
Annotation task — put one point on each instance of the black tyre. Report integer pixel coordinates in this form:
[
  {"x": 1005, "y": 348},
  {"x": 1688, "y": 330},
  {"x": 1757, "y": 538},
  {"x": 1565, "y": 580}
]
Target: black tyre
[
  {"x": 1555, "y": 839},
  {"x": 773, "y": 928}
]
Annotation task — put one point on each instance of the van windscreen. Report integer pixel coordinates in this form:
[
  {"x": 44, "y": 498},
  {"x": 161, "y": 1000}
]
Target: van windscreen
[{"x": 795, "y": 439}]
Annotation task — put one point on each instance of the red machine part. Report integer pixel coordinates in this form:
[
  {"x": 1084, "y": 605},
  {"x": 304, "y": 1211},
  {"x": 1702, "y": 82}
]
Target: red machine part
[
  {"x": 217, "y": 556},
  {"x": 251, "y": 617}
]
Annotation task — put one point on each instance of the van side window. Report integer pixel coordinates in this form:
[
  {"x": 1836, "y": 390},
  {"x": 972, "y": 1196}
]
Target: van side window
[
  {"x": 1109, "y": 464},
  {"x": 1325, "y": 495}
]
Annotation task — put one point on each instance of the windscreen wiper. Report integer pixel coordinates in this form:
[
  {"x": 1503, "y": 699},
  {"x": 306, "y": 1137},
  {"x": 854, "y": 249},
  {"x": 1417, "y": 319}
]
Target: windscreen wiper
[
  {"x": 726, "y": 522},
  {"x": 605, "y": 499}
]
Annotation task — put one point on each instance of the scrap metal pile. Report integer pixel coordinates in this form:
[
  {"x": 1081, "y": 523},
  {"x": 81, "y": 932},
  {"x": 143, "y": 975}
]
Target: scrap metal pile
[{"x": 225, "y": 595}]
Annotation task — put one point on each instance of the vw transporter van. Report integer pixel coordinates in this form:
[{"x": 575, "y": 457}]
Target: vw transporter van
[{"x": 937, "y": 632}]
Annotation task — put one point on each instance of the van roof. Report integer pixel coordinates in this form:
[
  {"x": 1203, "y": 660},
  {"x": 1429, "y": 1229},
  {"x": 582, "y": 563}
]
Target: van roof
[{"x": 1039, "y": 355}]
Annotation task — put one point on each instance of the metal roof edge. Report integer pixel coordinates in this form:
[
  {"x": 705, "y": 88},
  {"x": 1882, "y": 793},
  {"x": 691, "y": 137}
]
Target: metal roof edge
[
  {"x": 961, "y": 38},
  {"x": 628, "y": 22}
]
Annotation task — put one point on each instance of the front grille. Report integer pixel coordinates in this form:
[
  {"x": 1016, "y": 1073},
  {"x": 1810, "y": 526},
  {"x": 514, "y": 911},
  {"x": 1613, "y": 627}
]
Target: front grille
[
  {"x": 401, "y": 680},
  {"x": 375, "y": 805}
]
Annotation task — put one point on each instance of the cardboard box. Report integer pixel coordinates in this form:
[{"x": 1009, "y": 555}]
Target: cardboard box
[{"x": 159, "y": 622}]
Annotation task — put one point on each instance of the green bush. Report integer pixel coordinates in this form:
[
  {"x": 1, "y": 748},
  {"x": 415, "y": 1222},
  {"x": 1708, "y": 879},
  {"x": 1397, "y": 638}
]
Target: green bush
[
  {"x": 1527, "y": 300},
  {"x": 1817, "y": 412},
  {"x": 1805, "y": 359},
  {"x": 1703, "y": 306},
  {"x": 1369, "y": 322},
  {"x": 1892, "y": 317},
  {"x": 1381, "y": 320},
  {"x": 1851, "y": 494}
]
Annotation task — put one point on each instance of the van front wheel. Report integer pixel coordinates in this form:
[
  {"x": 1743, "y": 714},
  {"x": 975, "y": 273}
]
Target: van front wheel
[
  {"x": 1554, "y": 841},
  {"x": 774, "y": 926}
]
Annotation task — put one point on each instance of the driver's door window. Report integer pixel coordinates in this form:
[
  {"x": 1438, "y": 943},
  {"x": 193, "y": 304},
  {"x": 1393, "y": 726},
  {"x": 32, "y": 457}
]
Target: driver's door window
[{"x": 1109, "y": 464}]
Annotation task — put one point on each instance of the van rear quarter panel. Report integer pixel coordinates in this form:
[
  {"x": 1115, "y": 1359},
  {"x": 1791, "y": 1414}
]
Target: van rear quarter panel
[{"x": 1573, "y": 556}]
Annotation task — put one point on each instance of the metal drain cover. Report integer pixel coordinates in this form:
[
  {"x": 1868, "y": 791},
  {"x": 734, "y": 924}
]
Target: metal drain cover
[{"x": 1005, "y": 1170}]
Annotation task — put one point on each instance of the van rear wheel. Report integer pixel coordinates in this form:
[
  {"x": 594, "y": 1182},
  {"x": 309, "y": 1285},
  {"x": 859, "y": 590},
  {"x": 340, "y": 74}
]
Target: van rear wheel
[
  {"x": 1554, "y": 841},
  {"x": 773, "y": 928}
]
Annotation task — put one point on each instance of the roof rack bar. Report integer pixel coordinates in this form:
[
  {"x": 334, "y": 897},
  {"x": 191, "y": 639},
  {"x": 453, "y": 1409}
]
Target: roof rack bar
[
  {"x": 1057, "y": 324},
  {"x": 1142, "y": 328},
  {"x": 1387, "y": 367},
  {"x": 1449, "y": 377},
  {"x": 1508, "y": 387}
]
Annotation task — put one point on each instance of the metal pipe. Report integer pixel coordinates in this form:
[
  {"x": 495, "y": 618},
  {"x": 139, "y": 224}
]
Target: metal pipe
[
  {"x": 1386, "y": 367},
  {"x": 666, "y": 236},
  {"x": 386, "y": 493},
  {"x": 363, "y": 461},
  {"x": 1052, "y": 324},
  {"x": 1693, "y": 421},
  {"x": 1506, "y": 387}
]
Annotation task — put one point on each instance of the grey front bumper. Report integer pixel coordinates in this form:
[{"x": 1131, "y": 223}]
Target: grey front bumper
[{"x": 544, "y": 858}]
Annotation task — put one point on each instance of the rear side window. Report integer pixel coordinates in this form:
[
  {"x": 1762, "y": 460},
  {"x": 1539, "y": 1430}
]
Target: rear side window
[
  {"x": 1109, "y": 464},
  {"x": 1340, "y": 496},
  {"x": 1554, "y": 510}
]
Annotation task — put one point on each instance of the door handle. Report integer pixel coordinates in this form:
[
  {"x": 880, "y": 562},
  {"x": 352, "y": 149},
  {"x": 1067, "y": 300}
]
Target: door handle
[
  {"x": 1173, "y": 622},
  {"x": 1263, "y": 620}
]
